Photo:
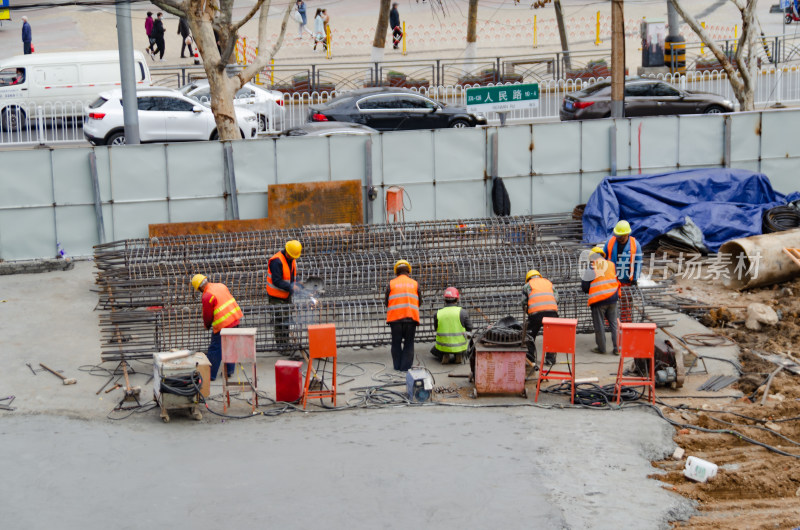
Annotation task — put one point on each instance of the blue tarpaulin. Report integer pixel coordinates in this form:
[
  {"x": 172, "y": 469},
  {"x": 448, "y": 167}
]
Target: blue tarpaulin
[{"x": 724, "y": 203}]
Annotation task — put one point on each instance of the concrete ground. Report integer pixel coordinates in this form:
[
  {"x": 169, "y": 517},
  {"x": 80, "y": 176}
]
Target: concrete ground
[{"x": 541, "y": 465}]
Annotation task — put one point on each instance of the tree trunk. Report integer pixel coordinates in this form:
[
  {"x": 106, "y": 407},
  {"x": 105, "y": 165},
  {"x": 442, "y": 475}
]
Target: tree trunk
[
  {"x": 223, "y": 89},
  {"x": 741, "y": 77},
  {"x": 380, "y": 31},
  {"x": 471, "y": 51},
  {"x": 562, "y": 33}
]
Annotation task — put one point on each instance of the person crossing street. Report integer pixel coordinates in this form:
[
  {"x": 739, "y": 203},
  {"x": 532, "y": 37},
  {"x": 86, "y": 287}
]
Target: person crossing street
[{"x": 220, "y": 311}]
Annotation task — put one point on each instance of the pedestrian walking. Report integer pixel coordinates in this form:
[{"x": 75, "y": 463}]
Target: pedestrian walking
[
  {"x": 541, "y": 301},
  {"x": 220, "y": 311},
  {"x": 148, "y": 28},
  {"x": 394, "y": 25},
  {"x": 302, "y": 20},
  {"x": 27, "y": 47},
  {"x": 185, "y": 32},
  {"x": 319, "y": 30},
  {"x": 158, "y": 36},
  {"x": 601, "y": 283},
  {"x": 402, "y": 314}
]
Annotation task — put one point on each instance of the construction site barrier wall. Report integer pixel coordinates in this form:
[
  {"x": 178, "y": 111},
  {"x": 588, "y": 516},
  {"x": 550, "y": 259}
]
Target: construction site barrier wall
[{"x": 53, "y": 199}]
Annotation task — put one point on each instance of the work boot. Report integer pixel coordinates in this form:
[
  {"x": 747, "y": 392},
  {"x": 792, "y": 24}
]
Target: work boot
[
  {"x": 550, "y": 359},
  {"x": 446, "y": 358}
]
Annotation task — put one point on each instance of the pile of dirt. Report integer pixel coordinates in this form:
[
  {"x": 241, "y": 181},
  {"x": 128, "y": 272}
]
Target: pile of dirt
[{"x": 755, "y": 487}]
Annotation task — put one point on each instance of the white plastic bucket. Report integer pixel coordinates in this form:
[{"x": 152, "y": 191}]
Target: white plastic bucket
[{"x": 699, "y": 469}]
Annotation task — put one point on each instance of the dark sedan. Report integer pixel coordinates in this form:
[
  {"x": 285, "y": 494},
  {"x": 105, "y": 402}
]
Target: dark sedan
[
  {"x": 393, "y": 109},
  {"x": 643, "y": 97}
]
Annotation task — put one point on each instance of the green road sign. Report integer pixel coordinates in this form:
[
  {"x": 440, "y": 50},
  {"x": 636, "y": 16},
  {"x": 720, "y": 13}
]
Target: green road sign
[{"x": 503, "y": 98}]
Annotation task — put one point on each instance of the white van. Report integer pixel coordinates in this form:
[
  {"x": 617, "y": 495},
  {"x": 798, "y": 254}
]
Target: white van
[{"x": 59, "y": 85}]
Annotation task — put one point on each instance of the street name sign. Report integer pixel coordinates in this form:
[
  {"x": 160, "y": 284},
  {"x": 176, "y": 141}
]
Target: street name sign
[{"x": 503, "y": 98}]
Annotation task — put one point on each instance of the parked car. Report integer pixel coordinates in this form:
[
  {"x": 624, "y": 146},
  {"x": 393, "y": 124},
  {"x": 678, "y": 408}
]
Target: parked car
[
  {"x": 643, "y": 97},
  {"x": 328, "y": 128},
  {"x": 267, "y": 104},
  {"x": 392, "y": 109},
  {"x": 165, "y": 115},
  {"x": 60, "y": 83}
]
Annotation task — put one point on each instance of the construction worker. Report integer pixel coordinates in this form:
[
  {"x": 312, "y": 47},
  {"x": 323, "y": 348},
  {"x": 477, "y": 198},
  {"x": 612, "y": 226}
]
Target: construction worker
[
  {"x": 624, "y": 251},
  {"x": 281, "y": 285},
  {"x": 601, "y": 283},
  {"x": 402, "y": 314},
  {"x": 220, "y": 311},
  {"x": 541, "y": 301},
  {"x": 451, "y": 324}
]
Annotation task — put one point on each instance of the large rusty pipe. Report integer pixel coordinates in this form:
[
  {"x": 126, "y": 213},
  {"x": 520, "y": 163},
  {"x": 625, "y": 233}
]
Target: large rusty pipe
[{"x": 773, "y": 264}]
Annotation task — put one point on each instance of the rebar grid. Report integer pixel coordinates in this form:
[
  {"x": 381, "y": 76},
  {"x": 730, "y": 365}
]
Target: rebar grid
[{"x": 148, "y": 305}]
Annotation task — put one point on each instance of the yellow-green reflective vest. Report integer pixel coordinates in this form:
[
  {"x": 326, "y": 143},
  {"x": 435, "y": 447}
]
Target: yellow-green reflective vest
[{"x": 450, "y": 334}]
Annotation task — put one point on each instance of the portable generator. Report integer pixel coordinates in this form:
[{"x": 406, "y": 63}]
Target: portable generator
[
  {"x": 180, "y": 379},
  {"x": 419, "y": 385}
]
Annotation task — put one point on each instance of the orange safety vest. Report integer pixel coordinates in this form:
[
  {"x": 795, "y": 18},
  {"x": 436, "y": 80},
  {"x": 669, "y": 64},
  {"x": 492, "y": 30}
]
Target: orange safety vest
[
  {"x": 403, "y": 299},
  {"x": 541, "y": 297},
  {"x": 610, "y": 247},
  {"x": 605, "y": 283},
  {"x": 288, "y": 274},
  {"x": 227, "y": 312}
]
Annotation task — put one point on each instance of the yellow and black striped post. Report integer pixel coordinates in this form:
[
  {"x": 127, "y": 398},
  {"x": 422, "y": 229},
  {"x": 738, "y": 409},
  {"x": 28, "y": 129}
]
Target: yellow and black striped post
[{"x": 675, "y": 54}]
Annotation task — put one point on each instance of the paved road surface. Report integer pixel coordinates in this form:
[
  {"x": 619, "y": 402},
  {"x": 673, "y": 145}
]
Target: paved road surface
[{"x": 400, "y": 468}]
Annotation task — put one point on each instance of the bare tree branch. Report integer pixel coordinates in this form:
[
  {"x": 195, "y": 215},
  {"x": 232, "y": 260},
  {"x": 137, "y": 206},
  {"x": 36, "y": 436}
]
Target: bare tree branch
[
  {"x": 251, "y": 14},
  {"x": 173, "y": 7}
]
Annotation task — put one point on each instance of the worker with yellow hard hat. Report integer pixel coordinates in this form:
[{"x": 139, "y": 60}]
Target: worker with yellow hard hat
[
  {"x": 402, "y": 314},
  {"x": 281, "y": 285},
  {"x": 541, "y": 301},
  {"x": 601, "y": 283},
  {"x": 220, "y": 311},
  {"x": 624, "y": 251}
]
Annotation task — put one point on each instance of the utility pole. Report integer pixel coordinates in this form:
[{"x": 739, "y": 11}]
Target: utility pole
[
  {"x": 617, "y": 59},
  {"x": 130, "y": 107},
  {"x": 562, "y": 33}
]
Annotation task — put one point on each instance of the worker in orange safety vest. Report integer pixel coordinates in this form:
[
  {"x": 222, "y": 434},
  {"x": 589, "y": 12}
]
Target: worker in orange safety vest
[
  {"x": 281, "y": 285},
  {"x": 601, "y": 282},
  {"x": 402, "y": 314},
  {"x": 541, "y": 301},
  {"x": 220, "y": 311}
]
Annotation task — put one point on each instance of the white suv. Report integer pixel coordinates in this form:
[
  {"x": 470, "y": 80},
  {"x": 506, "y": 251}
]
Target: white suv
[
  {"x": 267, "y": 104},
  {"x": 165, "y": 115}
]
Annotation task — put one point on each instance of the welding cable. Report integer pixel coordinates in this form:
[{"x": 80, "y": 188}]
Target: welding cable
[
  {"x": 593, "y": 395},
  {"x": 183, "y": 385},
  {"x": 721, "y": 431}
]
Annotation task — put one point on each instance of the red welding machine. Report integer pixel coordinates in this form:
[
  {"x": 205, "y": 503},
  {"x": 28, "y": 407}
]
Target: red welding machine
[{"x": 288, "y": 381}]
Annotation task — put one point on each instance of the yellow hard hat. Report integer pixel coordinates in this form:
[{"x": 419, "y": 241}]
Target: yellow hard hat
[
  {"x": 598, "y": 250},
  {"x": 622, "y": 228},
  {"x": 531, "y": 274},
  {"x": 402, "y": 262},
  {"x": 198, "y": 279},
  {"x": 294, "y": 248}
]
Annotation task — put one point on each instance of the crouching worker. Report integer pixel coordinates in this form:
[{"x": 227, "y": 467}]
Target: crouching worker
[
  {"x": 220, "y": 311},
  {"x": 451, "y": 324}
]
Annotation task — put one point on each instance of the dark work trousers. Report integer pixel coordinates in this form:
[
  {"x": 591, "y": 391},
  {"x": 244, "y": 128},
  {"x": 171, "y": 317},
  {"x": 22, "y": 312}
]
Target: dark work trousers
[
  {"x": 534, "y": 326},
  {"x": 215, "y": 356},
  {"x": 403, "y": 344},
  {"x": 160, "y": 45},
  {"x": 282, "y": 318},
  {"x": 600, "y": 313},
  {"x": 26, "y": 48},
  {"x": 183, "y": 48}
]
